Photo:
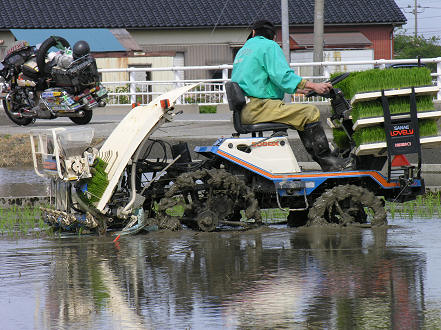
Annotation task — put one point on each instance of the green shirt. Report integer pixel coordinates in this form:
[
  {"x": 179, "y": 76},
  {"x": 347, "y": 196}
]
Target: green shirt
[{"x": 261, "y": 70}]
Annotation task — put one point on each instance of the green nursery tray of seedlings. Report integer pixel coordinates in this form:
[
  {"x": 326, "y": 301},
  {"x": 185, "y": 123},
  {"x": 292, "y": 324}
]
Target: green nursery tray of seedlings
[
  {"x": 366, "y": 122},
  {"x": 97, "y": 184},
  {"x": 380, "y": 148},
  {"x": 372, "y": 95},
  {"x": 372, "y": 140},
  {"x": 397, "y": 105},
  {"x": 365, "y": 90},
  {"x": 375, "y": 80}
]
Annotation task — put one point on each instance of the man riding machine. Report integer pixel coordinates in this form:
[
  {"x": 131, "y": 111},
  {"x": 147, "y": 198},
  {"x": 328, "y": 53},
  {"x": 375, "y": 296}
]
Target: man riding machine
[{"x": 262, "y": 72}]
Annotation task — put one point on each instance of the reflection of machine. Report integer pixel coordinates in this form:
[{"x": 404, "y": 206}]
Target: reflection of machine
[{"x": 239, "y": 176}]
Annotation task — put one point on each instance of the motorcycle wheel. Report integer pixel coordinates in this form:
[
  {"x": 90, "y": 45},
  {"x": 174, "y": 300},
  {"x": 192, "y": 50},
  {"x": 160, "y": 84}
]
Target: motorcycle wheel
[
  {"x": 83, "y": 120},
  {"x": 19, "y": 121}
]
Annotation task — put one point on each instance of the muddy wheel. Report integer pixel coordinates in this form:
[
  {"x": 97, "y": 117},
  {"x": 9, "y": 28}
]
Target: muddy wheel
[
  {"x": 207, "y": 199},
  {"x": 347, "y": 204}
]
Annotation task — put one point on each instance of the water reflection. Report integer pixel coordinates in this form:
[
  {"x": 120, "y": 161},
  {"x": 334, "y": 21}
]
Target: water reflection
[
  {"x": 267, "y": 278},
  {"x": 22, "y": 182}
]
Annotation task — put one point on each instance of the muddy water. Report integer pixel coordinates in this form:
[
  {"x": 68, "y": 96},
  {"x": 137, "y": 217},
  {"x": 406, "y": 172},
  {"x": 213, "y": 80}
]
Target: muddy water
[
  {"x": 268, "y": 278},
  {"x": 22, "y": 182}
]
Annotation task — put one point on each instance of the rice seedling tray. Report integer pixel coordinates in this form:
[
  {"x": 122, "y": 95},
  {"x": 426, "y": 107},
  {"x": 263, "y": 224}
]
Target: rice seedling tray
[
  {"x": 380, "y": 148},
  {"x": 368, "y": 96},
  {"x": 366, "y": 122}
]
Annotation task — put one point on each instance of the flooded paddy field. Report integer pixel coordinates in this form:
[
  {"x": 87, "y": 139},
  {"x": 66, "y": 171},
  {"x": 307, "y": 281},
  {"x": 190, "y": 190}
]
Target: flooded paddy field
[
  {"x": 22, "y": 181},
  {"x": 271, "y": 277}
]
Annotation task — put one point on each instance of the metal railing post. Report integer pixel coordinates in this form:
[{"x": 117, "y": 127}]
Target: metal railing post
[
  {"x": 382, "y": 65},
  {"x": 326, "y": 72},
  {"x": 132, "y": 79},
  {"x": 177, "y": 80},
  {"x": 438, "y": 77},
  {"x": 225, "y": 79}
]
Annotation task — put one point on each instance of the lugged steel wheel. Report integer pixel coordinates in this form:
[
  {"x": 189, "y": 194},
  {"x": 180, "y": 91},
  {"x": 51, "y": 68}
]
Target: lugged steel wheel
[
  {"x": 347, "y": 204},
  {"x": 207, "y": 198}
]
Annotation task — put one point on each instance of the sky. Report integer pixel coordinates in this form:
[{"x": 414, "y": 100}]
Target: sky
[{"x": 429, "y": 17}]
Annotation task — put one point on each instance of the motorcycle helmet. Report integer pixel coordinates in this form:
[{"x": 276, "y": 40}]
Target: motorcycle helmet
[{"x": 80, "y": 49}]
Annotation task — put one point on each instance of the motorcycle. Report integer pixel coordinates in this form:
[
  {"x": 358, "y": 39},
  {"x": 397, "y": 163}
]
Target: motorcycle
[{"x": 37, "y": 83}]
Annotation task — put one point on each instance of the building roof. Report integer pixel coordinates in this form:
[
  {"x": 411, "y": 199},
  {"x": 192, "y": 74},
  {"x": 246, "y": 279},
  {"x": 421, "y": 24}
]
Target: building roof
[
  {"x": 142, "y": 14},
  {"x": 100, "y": 40},
  {"x": 332, "y": 39}
]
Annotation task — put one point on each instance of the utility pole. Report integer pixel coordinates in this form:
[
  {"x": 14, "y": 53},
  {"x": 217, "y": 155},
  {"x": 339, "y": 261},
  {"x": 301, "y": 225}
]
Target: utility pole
[
  {"x": 285, "y": 29},
  {"x": 415, "y": 13},
  {"x": 319, "y": 10},
  {"x": 284, "y": 14}
]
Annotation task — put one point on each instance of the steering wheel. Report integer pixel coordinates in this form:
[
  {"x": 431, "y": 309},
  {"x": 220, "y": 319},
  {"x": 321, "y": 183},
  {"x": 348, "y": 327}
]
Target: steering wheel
[{"x": 333, "y": 81}]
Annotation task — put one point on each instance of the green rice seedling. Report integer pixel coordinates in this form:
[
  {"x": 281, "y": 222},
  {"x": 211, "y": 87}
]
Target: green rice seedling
[
  {"x": 409, "y": 209},
  {"x": 396, "y": 105},
  {"x": 340, "y": 138},
  {"x": 375, "y": 79},
  {"x": 374, "y": 134},
  {"x": 273, "y": 216},
  {"x": 97, "y": 184},
  {"x": 391, "y": 208},
  {"x": 20, "y": 221}
]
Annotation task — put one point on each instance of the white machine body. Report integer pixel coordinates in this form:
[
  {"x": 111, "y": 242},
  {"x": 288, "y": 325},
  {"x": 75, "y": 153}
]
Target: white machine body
[
  {"x": 63, "y": 153},
  {"x": 272, "y": 155}
]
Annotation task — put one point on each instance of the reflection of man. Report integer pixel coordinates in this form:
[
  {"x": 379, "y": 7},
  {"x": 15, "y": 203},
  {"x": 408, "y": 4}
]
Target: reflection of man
[{"x": 261, "y": 70}]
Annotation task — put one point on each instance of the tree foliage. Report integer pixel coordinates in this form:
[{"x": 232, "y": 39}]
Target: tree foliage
[{"x": 406, "y": 46}]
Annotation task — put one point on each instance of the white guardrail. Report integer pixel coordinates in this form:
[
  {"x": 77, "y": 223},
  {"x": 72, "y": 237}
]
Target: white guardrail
[{"x": 212, "y": 91}]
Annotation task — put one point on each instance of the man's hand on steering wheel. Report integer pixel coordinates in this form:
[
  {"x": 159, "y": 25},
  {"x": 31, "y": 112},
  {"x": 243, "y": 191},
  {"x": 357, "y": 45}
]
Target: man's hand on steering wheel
[
  {"x": 329, "y": 84},
  {"x": 319, "y": 88}
]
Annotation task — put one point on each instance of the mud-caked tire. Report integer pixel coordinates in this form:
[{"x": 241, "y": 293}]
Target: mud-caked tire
[
  {"x": 210, "y": 197},
  {"x": 345, "y": 205}
]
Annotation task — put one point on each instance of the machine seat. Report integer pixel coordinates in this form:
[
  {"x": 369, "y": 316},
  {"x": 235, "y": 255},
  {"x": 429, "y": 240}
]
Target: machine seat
[{"x": 236, "y": 102}]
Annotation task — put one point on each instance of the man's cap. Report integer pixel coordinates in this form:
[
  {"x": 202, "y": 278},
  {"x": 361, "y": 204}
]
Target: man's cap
[{"x": 262, "y": 24}]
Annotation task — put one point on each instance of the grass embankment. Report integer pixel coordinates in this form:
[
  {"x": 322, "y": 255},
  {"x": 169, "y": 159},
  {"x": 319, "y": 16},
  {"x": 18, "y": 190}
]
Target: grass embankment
[{"x": 15, "y": 150}]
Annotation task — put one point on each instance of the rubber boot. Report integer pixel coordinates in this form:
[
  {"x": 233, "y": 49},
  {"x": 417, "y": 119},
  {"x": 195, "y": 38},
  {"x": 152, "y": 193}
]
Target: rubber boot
[{"x": 316, "y": 144}]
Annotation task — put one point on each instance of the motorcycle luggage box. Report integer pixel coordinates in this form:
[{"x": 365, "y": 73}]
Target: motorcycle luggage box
[{"x": 80, "y": 74}]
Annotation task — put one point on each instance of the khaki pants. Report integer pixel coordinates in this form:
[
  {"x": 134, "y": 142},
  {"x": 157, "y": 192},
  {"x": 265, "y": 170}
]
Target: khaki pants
[{"x": 268, "y": 110}]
